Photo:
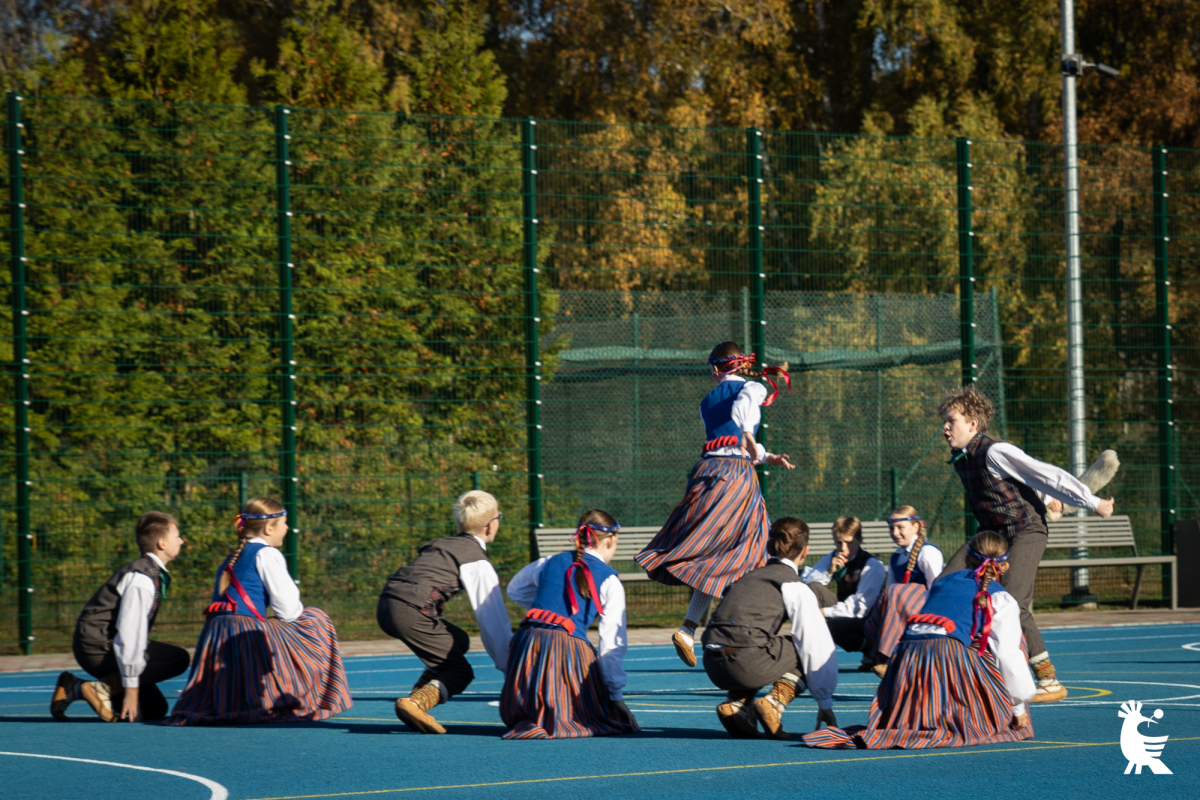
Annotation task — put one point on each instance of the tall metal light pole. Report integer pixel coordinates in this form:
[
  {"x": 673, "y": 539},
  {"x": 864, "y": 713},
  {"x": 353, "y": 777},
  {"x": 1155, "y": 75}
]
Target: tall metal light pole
[{"x": 1073, "y": 66}]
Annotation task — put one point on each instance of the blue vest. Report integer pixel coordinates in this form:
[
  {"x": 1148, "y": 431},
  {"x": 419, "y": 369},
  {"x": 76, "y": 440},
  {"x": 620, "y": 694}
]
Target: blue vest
[
  {"x": 246, "y": 570},
  {"x": 952, "y": 597},
  {"x": 899, "y": 564},
  {"x": 552, "y": 590},
  {"x": 716, "y": 409}
]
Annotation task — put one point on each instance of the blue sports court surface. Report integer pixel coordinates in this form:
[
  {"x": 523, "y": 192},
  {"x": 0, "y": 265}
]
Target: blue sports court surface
[{"x": 683, "y": 751}]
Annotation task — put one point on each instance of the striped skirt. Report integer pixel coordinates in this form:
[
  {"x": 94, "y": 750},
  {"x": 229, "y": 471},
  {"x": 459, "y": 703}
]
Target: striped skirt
[
  {"x": 937, "y": 693},
  {"x": 889, "y": 618},
  {"x": 247, "y": 671},
  {"x": 554, "y": 690},
  {"x": 717, "y": 533}
]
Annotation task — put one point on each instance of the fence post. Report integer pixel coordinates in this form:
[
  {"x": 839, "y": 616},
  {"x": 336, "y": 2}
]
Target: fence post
[
  {"x": 758, "y": 275},
  {"x": 1166, "y": 423},
  {"x": 533, "y": 363},
  {"x": 966, "y": 286},
  {"x": 287, "y": 319},
  {"x": 16, "y": 215}
]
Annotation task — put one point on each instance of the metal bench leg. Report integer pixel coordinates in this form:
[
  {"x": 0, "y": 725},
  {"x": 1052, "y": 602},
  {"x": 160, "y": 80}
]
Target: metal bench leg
[{"x": 1137, "y": 586}]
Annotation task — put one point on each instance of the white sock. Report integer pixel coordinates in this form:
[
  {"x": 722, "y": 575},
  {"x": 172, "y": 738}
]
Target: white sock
[{"x": 696, "y": 609}]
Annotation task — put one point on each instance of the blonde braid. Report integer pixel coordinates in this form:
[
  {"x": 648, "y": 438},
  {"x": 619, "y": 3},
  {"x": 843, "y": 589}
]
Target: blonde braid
[
  {"x": 246, "y": 529},
  {"x": 223, "y": 582},
  {"x": 917, "y": 545}
]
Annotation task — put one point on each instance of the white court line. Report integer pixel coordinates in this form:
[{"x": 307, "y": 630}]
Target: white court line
[
  {"x": 1124, "y": 638},
  {"x": 219, "y": 792},
  {"x": 1194, "y": 647}
]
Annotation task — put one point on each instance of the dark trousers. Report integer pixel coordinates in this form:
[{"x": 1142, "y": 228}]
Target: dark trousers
[
  {"x": 847, "y": 632},
  {"x": 742, "y": 671},
  {"x": 1025, "y": 550},
  {"x": 442, "y": 647},
  {"x": 163, "y": 662}
]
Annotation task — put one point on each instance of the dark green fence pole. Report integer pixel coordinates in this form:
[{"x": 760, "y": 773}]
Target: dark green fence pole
[
  {"x": 287, "y": 326},
  {"x": 966, "y": 284},
  {"x": 243, "y": 490},
  {"x": 16, "y": 216},
  {"x": 533, "y": 363},
  {"x": 758, "y": 276},
  {"x": 1166, "y": 423}
]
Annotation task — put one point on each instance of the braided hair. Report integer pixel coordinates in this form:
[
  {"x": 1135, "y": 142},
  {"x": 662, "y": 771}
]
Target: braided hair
[
  {"x": 729, "y": 351},
  {"x": 587, "y": 536},
  {"x": 909, "y": 511},
  {"x": 985, "y": 552},
  {"x": 246, "y": 530}
]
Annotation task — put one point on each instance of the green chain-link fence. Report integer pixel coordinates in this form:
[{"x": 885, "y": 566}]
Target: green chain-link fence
[{"x": 366, "y": 314}]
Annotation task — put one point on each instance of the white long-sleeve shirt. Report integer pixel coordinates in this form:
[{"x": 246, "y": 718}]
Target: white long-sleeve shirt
[
  {"x": 1006, "y": 460},
  {"x": 930, "y": 560},
  {"x": 746, "y": 414},
  {"x": 283, "y": 594},
  {"x": 813, "y": 642},
  {"x": 522, "y": 590},
  {"x": 1004, "y": 641},
  {"x": 482, "y": 585},
  {"x": 133, "y": 623},
  {"x": 859, "y": 604}
]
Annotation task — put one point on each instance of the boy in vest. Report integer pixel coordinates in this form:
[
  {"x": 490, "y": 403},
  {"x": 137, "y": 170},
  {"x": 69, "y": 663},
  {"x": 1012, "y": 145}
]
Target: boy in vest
[
  {"x": 112, "y": 637},
  {"x": 744, "y": 652},
  {"x": 859, "y": 577},
  {"x": 411, "y": 605},
  {"x": 1009, "y": 493}
]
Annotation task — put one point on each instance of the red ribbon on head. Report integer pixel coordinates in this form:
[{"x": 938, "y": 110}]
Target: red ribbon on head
[
  {"x": 981, "y": 616},
  {"x": 587, "y": 537},
  {"x": 787, "y": 379}
]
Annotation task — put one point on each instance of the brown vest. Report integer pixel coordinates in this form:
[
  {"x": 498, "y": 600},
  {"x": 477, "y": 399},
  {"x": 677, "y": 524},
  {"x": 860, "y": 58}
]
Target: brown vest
[
  {"x": 97, "y": 624},
  {"x": 1005, "y": 506},
  {"x": 432, "y": 578}
]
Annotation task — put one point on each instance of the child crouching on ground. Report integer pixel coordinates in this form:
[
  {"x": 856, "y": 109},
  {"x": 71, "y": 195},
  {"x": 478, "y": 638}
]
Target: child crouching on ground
[
  {"x": 744, "y": 652},
  {"x": 557, "y": 686}
]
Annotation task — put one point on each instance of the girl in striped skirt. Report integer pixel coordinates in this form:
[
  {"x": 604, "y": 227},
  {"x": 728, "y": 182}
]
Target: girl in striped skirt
[
  {"x": 250, "y": 668},
  {"x": 557, "y": 686},
  {"x": 913, "y": 568},
  {"x": 959, "y": 676},
  {"x": 718, "y": 532}
]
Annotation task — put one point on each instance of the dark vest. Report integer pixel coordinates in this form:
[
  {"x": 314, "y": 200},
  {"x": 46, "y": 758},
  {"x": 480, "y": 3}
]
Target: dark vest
[
  {"x": 953, "y": 597},
  {"x": 1005, "y": 506},
  {"x": 752, "y": 611},
  {"x": 552, "y": 590},
  {"x": 848, "y": 584},
  {"x": 97, "y": 624},
  {"x": 899, "y": 565},
  {"x": 432, "y": 578}
]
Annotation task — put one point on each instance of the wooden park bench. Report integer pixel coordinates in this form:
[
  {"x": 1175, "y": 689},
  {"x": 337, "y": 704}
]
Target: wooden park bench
[{"x": 1067, "y": 533}]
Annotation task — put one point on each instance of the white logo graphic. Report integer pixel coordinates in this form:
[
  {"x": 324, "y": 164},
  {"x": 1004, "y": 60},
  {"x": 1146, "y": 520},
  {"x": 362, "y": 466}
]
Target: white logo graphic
[{"x": 1142, "y": 751}]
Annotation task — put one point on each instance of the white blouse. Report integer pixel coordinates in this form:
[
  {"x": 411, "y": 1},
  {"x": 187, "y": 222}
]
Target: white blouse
[{"x": 283, "y": 594}]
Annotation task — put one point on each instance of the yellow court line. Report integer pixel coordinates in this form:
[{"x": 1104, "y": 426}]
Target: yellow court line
[
  {"x": 707, "y": 769},
  {"x": 1099, "y": 692},
  {"x": 398, "y": 722}
]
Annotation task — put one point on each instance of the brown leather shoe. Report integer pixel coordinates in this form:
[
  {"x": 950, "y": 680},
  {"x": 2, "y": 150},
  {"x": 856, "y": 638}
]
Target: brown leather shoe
[
  {"x": 97, "y": 695},
  {"x": 1049, "y": 694},
  {"x": 685, "y": 651},
  {"x": 740, "y": 719},
  {"x": 414, "y": 717},
  {"x": 65, "y": 693},
  {"x": 771, "y": 716}
]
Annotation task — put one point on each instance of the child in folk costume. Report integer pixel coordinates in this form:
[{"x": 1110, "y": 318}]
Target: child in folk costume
[
  {"x": 859, "y": 577},
  {"x": 912, "y": 569},
  {"x": 252, "y": 668},
  {"x": 1010, "y": 492},
  {"x": 112, "y": 637},
  {"x": 718, "y": 532},
  {"x": 959, "y": 676},
  {"x": 557, "y": 686},
  {"x": 744, "y": 652},
  {"x": 414, "y": 598}
]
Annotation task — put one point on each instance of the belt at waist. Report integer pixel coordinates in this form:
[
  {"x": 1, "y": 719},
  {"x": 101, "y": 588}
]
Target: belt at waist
[
  {"x": 550, "y": 618},
  {"x": 721, "y": 441}
]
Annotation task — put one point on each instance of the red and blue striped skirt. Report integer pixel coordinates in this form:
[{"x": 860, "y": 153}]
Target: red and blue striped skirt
[
  {"x": 937, "y": 693},
  {"x": 554, "y": 689},
  {"x": 246, "y": 671},
  {"x": 717, "y": 534},
  {"x": 889, "y": 618}
]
